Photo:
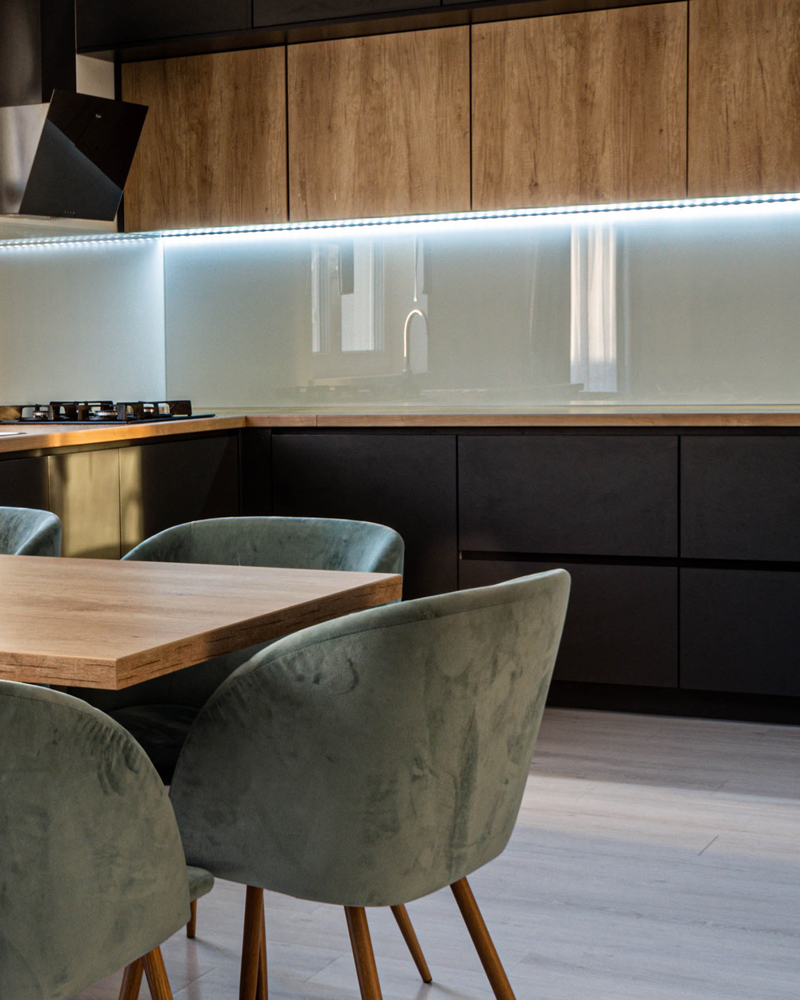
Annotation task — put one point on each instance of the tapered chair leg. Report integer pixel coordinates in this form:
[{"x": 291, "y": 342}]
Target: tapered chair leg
[
  {"x": 157, "y": 975},
  {"x": 261, "y": 989},
  {"x": 132, "y": 980},
  {"x": 487, "y": 952},
  {"x": 191, "y": 927},
  {"x": 410, "y": 937},
  {"x": 252, "y": 944},
  {"x": 364, "y": 957}
]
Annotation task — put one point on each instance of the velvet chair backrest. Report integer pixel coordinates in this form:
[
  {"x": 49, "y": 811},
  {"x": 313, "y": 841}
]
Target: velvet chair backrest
[
  {"x": 25, "y": 531},
  {"x": 295, "y": 542},
  {"x": 378, "y": 757},
  {"x": 92, "y": 872}
]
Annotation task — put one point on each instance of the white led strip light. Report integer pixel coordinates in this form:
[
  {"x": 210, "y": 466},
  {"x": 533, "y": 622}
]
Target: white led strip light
[{"x": 690, "y": 208}]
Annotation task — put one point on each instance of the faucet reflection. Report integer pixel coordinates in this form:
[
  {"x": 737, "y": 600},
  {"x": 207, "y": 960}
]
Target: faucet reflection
[{"x": 406, "y": 346}]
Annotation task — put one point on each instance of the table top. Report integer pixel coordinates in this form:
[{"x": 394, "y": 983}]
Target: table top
[{"x": 106, "y": 624}]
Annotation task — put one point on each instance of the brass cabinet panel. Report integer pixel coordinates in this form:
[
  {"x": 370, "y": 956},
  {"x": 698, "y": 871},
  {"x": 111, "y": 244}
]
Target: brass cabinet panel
[
  {"x": 84, "y": 492},
  {"x": 744, "y": 97},
  {"x": 213, "y": 148},
  {"x": 580, "y": 108},
  {"x": 379, "y": 125}
]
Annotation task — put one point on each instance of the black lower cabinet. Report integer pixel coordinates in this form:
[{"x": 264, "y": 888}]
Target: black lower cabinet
[
  {"x": 255, "y": 457},
  {"x": 170, "y": 482},
  {"x": 622, "y": 621},
  {"x": 581, "y": 494},
  {"x": 23, "y": 483},
  {"x": 740, "y": 631},
  {"x": 405, "y": 481}
]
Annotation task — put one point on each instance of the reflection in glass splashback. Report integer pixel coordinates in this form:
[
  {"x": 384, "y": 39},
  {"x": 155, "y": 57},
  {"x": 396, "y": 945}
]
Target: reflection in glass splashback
[{"x": 653, "y": 309}]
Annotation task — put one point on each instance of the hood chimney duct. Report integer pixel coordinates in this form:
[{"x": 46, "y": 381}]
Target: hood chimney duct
[{"x": 62, "y": 154}]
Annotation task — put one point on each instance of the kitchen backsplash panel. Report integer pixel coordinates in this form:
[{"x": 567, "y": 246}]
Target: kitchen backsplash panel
[
  {"x": 82, "y": 320},
  {"x": 661, "y": 308}
]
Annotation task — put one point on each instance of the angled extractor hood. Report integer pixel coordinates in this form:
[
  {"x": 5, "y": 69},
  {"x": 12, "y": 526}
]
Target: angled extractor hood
[{"x": 67, "y": 157}]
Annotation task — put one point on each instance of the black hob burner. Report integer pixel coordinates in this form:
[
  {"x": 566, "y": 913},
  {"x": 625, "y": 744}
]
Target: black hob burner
[{"x": 100, "y": 411}]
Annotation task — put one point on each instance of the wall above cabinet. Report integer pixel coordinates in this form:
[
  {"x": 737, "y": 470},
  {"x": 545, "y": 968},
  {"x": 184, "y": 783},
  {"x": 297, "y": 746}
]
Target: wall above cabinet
[{"x": 148, "y": 29}]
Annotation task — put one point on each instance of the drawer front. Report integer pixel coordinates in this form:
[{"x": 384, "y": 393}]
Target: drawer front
[
  {"x": 740, "y": 631},
  {"x": 622, "y": 621},
  {"x": 740, "y": 498},
  {"x": 407, "y": 482},
  {"x": 581, "y": 494}
]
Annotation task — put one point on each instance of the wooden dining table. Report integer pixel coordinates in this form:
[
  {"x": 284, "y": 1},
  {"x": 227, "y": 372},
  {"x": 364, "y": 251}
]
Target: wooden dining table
[{"x": 109, "y": 624}]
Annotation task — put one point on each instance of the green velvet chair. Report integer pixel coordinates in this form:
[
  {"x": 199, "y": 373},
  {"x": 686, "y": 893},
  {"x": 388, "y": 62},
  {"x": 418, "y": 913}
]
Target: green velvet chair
[
  {"x": 93, "y": 872},
  {"x": 25, "y": 531},
  {"x": 160, "y": 712},
  {"x": 374, "y": 759}
]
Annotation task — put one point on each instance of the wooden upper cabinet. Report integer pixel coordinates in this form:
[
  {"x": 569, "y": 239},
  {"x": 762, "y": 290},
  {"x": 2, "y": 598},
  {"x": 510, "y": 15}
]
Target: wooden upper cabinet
[
  {"x": 580, "y": 108},
  {"x": 213, "y": 148},
  {"x": 379, "y": 125},
  {"x": 744, "y": 97}
]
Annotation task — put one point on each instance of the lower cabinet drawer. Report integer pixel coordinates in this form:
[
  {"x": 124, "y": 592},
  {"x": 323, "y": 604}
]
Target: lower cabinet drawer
[
  {"x": 740, "y": 631},
  {"x": 622, "y": 622}
]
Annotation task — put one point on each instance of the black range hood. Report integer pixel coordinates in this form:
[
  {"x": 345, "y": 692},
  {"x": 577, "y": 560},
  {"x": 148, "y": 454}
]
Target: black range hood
[{"x": 67, "y": 156}]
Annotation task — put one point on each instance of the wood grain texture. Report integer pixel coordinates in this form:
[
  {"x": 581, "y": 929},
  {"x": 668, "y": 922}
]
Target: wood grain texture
[
  {"x": 482, "y": 940},
  {"x": 379, "y": 125},
  {"x": 400, "y": 914},
  {"x": 27, "y": 438},
  {"x": 213, "y": 148},
  {"x": 744, "y": 97},
  {"x": 580, "y": 108},
  {"x": 363, "y": 955},
  {"x": 156, "y": 973},
  {"x": 252, "y": 938},
  {"x": 38, "y": 439},
  {"x": 110, "y": 624}
]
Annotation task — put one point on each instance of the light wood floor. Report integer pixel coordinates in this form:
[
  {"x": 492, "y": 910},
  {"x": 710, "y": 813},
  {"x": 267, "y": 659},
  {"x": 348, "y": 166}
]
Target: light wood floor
[{"x": 654, "y": 859}]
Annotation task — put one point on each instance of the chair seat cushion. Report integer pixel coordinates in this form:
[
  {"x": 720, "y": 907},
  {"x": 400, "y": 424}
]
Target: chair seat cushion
[
  {"x": 161, "y": 730},
  {"x": 201, "y": 882}
]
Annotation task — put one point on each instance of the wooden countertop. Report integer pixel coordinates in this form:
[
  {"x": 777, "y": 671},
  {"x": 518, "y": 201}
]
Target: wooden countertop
[{"x": 16, "y": 438}]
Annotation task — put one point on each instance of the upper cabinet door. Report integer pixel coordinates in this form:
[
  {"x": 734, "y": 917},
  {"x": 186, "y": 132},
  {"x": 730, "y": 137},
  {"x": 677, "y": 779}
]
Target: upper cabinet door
[
  {"x": 269, "y": 12},
  {"x": 379, "y": 125},
  {"x": 213, "y": 148},
  {"x": 580, "y": 108},
  {"x": 744, "y": 97},
  {"x": 128, "y": 22}
]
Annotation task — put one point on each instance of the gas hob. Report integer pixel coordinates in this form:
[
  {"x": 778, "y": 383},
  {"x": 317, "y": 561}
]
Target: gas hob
[{"x": 102, "y": 411}]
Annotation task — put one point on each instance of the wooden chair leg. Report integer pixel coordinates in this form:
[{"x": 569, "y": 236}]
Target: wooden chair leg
[
  {"x": 410, "y": 937},
  {"x": 132, "y": 981},
  {"x": 364, "y": 957},
  {"x": 157, "y": 975},
  {"x": 487, "y": 952},
  {"x": 251, "y": 943},
  {"x": 191, "y": 927},
  {"x": 261, "y": 989}
]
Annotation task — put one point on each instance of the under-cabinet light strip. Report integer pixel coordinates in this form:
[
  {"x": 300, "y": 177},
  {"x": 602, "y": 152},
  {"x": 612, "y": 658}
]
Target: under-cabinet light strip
[{"x": 624, "y": 212}]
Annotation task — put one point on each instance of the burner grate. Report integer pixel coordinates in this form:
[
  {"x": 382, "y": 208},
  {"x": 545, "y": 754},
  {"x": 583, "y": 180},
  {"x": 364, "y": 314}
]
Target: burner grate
[{"x": 96, "y": 411}]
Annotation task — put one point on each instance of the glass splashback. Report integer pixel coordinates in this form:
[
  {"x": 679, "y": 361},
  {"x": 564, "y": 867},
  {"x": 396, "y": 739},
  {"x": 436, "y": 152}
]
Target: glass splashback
[{"x": 681, "y": 306}]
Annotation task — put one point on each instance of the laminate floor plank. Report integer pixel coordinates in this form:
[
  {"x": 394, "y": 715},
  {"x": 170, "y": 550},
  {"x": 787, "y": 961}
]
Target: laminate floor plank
[{"x": 654, "y": 859}]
